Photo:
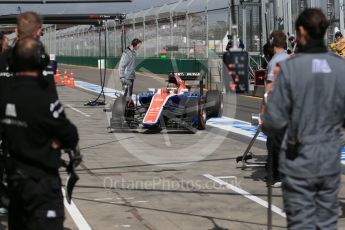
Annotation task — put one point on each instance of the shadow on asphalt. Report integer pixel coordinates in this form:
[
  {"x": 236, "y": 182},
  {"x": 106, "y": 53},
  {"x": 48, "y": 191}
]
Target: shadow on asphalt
[
  {"x": 211, "y": 218},
  {"x": 191, "y": 191},
  {"x": 160, "y": 164}
]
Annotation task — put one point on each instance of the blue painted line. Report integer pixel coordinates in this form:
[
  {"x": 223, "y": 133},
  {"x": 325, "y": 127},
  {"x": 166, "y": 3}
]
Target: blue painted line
[
  {"x": 112, "y": 93},
  {"x": 236, "y": 126}
]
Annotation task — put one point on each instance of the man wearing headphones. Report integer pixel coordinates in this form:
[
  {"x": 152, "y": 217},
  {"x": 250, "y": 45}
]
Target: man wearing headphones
[
  {"x": 29, "y": 24},
  {"x": 35, "y": 128},
  {"x": 127, "y": 67},
  {"x": 279, "y": 45}
]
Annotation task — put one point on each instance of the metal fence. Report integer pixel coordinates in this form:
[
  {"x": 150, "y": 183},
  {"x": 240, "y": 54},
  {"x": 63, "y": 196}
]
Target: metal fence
[{"x": 199, "y": 28}]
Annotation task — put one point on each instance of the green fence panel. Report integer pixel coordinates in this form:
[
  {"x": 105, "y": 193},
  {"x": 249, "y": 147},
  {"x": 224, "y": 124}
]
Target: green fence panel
[
  {"x": 151, "y": 65},
  {"x": 86, "y": 61}
]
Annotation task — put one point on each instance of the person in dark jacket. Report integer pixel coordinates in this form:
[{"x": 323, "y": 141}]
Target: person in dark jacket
[
  {"x": 127, "y": 67},
  {"x": 307, "y": 104},
  {"x": 29, "y": 24},
  {"x": 34, "y": 128}
]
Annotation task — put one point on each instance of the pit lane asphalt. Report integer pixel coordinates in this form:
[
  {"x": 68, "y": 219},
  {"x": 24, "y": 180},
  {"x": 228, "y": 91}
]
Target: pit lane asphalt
[
  {"x": 137, "y": 180},
  {"x": 144, "y": 181}
]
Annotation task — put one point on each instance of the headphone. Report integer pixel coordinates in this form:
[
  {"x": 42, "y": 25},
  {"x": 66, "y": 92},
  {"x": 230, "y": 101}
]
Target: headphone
[
  {"x": 40, "y": 60},
  {"x": 272, "y": 40},
  {"x": 42, "y": 57}
]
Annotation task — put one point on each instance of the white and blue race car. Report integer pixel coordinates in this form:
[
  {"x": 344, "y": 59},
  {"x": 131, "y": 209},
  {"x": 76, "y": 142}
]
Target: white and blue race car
[{"x": 177, "y": 105}]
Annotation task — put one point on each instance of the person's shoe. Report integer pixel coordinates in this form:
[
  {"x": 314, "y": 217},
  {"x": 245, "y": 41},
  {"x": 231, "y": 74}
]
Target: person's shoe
[
  {"x": 3, "y": 211},
  {"x": 276, "y": 184}
]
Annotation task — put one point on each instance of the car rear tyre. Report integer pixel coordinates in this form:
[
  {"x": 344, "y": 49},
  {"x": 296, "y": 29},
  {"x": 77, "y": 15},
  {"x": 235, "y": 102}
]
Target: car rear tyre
[
  {"x": 197, "y": 114},
  {"x": 214, "y": 103},
  {"x": 202, "y": 116},
  {"x": 122, "y": 112}
]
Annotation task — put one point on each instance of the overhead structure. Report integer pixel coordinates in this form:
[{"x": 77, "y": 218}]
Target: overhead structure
[
  {"x": 59, "y": 1},
  {"x": 72, "y": 19}
]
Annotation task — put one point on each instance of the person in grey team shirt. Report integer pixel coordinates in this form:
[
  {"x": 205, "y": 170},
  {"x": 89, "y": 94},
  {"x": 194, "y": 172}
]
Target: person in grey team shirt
[
  {"x": 307, "y": 105},
  {"x": 127, "y": 67},
  {"x": 279, "y": 45}
]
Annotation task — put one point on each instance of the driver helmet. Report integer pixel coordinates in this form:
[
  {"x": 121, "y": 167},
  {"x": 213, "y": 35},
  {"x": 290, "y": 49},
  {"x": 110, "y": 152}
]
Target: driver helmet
[{"x": 172, "y": 88}]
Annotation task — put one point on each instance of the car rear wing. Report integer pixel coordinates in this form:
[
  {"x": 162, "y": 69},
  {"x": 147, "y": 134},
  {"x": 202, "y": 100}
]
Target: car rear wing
[{"x": 187, "y": 76}]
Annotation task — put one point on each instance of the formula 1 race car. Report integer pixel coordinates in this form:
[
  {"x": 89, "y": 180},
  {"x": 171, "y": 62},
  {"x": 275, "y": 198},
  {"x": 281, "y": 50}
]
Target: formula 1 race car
[{"x": 177, "y": 105}]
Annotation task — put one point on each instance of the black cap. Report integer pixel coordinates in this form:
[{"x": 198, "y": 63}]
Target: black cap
[{"x": 338, "y": 33}]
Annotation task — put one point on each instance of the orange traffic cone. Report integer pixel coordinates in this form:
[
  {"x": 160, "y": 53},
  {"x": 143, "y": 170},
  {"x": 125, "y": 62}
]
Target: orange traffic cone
[
  {"x": 57, "y": 77},
  {"x": 65, "y": 78},
  {"x": 71, "y": 80}
]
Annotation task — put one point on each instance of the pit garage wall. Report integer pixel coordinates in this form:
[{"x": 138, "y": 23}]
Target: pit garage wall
[{"x": 148, "y": 65}]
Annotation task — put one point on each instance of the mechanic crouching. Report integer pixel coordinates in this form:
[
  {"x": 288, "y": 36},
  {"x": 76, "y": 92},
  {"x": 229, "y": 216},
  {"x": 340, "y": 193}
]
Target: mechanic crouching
[
  {"x": 35, "y": 128},
  {"x": 307, "y": 103}
]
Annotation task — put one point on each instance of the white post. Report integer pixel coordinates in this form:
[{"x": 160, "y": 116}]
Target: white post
[
  {"x": 263, "y": 21},
  {"x": 157, "y": 37},
  {"x": 115, "y": 38},
  {"x": 207, "y": 29},
  {"x": 341, "y": 16},
  {"x": 95, "y": 43},
  {"x": 106, "y": 48},
  {"x": 289, "y": 14},
  {"x": 50, "y": 39},
  {"x": 244, "y": 26},
  {"x": 144, "y": 24},
  {"x": 187, "y": 35},
  {"x": 171, "y": 29}
]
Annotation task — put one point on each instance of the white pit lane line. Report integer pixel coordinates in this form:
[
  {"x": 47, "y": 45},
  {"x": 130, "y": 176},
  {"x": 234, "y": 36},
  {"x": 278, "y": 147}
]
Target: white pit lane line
[
  {"x": 74, "y": 212},
  {"x": 78, "y": 111},
  {"x": 246, "y": 194}
]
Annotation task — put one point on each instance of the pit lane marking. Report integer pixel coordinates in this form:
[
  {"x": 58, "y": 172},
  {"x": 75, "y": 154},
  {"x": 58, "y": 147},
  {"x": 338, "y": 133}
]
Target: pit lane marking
[
  {"x": 77, "y": 110},
  {"x": 252, "y": 97},
  {"x": 246, "y": 194},
  {"x": 74, "y": 212},
  {"x": 236, "y": 126},
  {"x": 122, "y": 226}
]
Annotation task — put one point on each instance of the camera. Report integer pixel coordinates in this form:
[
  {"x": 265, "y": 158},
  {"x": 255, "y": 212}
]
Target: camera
[{"x": 292, "y": 148}]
